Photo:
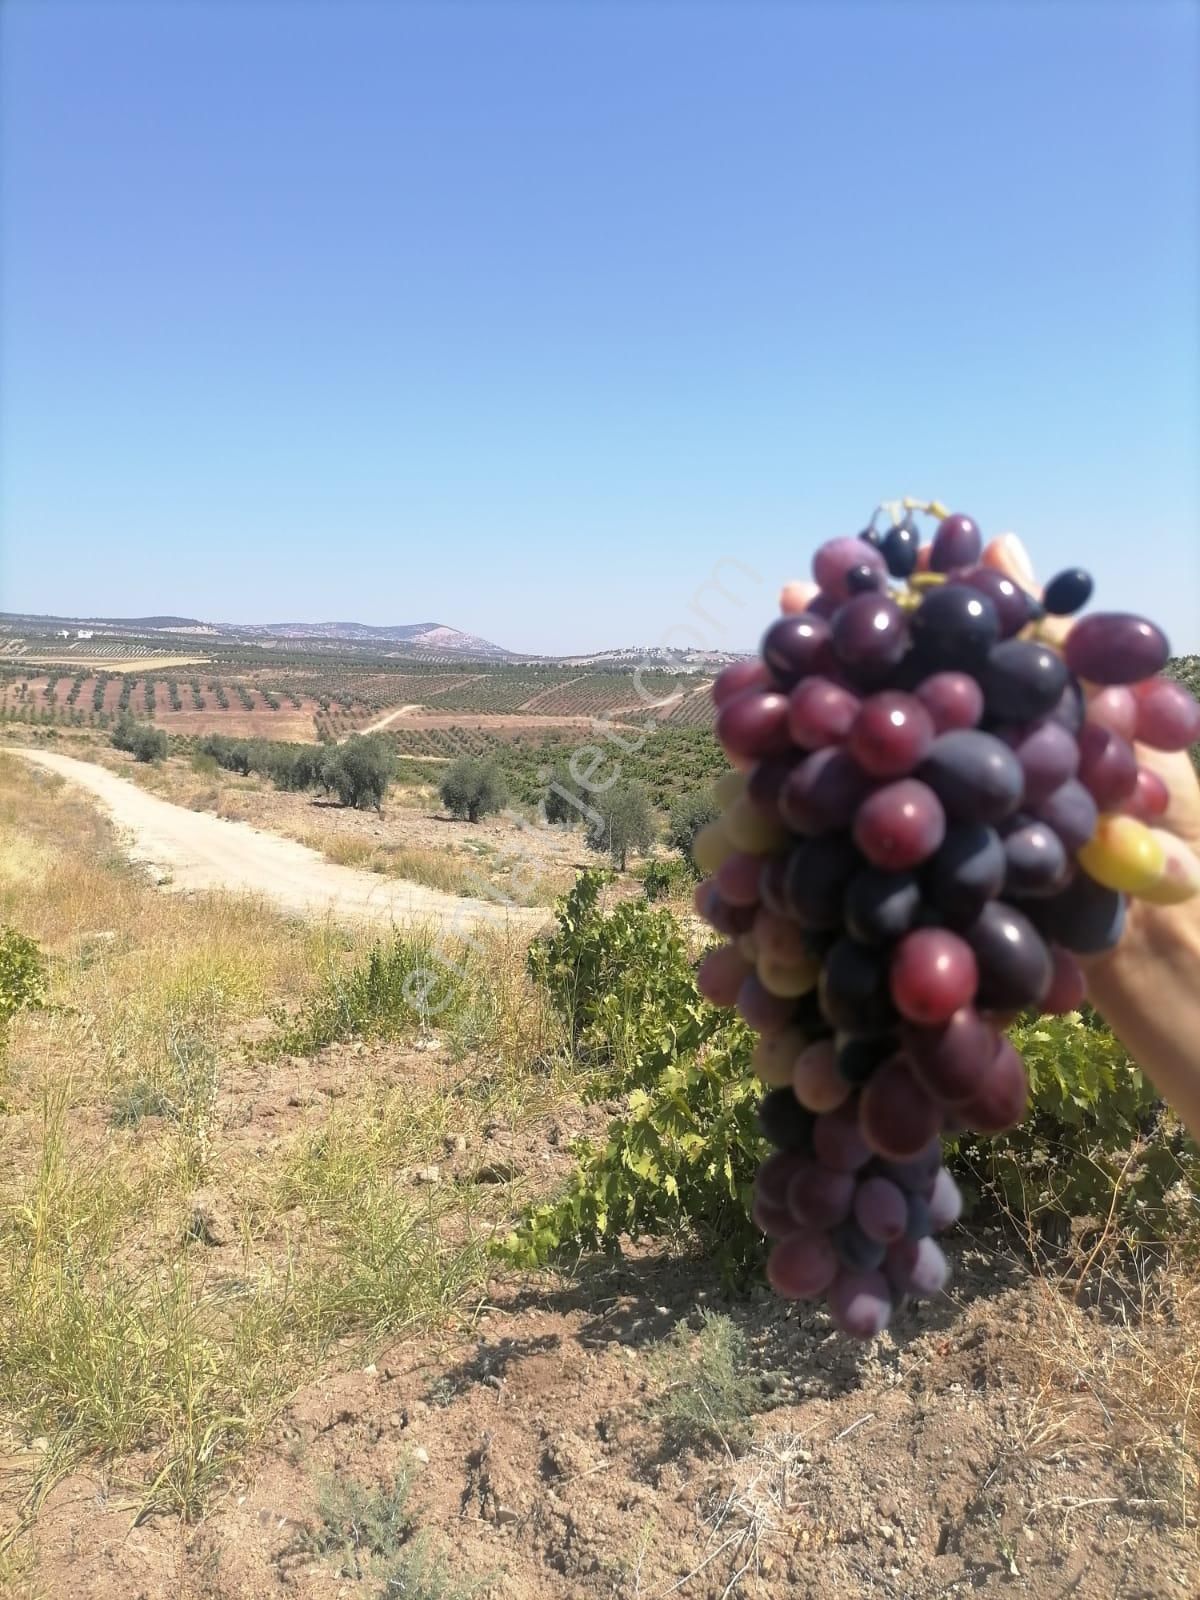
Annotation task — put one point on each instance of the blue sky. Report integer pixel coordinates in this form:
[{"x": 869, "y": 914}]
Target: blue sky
[{"x": 522, "y": 318}]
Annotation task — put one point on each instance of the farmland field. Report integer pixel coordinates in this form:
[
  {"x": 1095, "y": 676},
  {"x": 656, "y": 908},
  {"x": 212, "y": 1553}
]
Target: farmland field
[{"x": 429, "y": 710}]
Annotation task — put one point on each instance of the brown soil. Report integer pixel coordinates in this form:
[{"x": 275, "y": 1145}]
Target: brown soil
[{"x": 917, "y": 1469}]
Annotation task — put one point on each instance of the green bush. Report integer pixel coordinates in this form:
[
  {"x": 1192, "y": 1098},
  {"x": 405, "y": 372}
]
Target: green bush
[
  {"x": 143, "y": 742},
  {"x": 662, "y": 879},
  {"x": 397, "y": 988},
  {"x": 359, "y": 772},
  {"x": 22, "y": 976},
  {"x": 472, "y": 788},
  {"x": 688, "y": 816},
  {"x": 626, "y": 825}
]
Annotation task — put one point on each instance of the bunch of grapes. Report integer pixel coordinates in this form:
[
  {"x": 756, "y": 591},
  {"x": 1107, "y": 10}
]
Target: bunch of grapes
[{"x": 936, "y": 806}]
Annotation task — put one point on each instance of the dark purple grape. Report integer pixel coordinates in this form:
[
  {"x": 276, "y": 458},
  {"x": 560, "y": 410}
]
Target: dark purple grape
[
  {"x": 916, "y": 1173},
  {"x": 823, "y": 605},
  {"x": 1037, "y": 862},
  {"x": 859, "y": 1054},
  {"x": 1085, "y": 917},
  {"x": 1115, "y": 647},
  {"x": 815, "y": 880},
  {"x": 855, "y": 1248},
  {"x": 951, "y": 1061},
  {"x": 918, "y": 1225},
  {"x": 975, "y": 775},
  {"x": 866, "y": 580},
  {"x": 900, "y": 825},
  {"x": 1068, "y": 592},
  {"x": 754, "y": 724},
  {"x": 871, "y": 535},
  {"x": 1010, "y": 600},
  {"x": 1071, "y": 812},
  {"x": 784, "y": 1122},
  {"x": 956, "y": 543},
  {"x": 953, "y": 700},
  {"x": 954, "y": 626},
  {"x": 1014, "y": 965},
  {"x": 881, "y": 906},
  {"x": 765, "y": 782},
  {"x": 967, "y": 872},
  {"x": 1071, "y": 707},
  {"x": 900, "y": 546},
  {"x": 794, "y": 647},
  {"x": 1048, "y": 754},
  {"x": 853, "y": 988},
  {"x": 823, "y": 792},
  {"x": 1022, "y": 680},
  {"x": 870, "y": 636},
  {"x": 1107, "y": 766}
]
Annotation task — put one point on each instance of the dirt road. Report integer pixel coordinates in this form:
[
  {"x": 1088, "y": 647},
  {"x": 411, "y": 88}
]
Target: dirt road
[
  {"x": 193, "y": 850},
  {"x": 381, "y": 722}
]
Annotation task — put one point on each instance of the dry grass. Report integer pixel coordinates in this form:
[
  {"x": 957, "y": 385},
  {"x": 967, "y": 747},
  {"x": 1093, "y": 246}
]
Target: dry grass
[
  {"x": 122, "y": 1334},
  {"x": 1119, "y": 1381}
]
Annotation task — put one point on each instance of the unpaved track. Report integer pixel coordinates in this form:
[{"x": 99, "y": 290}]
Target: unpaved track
[
  {"x": 199, "y": 851},
  {"x": 380, "y": 722}
]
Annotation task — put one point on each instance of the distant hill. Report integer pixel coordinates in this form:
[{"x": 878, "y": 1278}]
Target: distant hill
[{"x": 416, "y": 637}]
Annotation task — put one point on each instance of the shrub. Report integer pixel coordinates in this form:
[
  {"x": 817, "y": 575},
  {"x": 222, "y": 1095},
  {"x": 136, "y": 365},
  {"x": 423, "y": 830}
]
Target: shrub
[
  {"x": 359, "y": 772},
  {"x": 142, "y": 741},
  {"x": 662, "y": 879},
  {"x": 627, "y": 823},
  {"x": 472, "y": 789},
  {"x": 688, "y": 816},
  {"x": 709, "y": 1389},
  {"x": 22, "y": 976}
]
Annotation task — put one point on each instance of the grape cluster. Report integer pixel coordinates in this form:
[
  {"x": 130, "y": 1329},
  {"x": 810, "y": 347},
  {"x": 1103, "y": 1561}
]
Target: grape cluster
[{"x": 936, "y": 806}]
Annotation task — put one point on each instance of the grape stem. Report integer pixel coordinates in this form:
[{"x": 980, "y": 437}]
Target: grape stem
[{"x": 896, "y": 510}]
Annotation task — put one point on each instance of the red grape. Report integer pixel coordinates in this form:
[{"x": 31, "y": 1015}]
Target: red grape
[
  {"x": 803, "y": 1266},
  {"x": 1168, "y": 715},
  {"x": 834, "y": 560},
  {"x": 881, "y": 1209},
  {"x": 900, "y": 825},
  {"x": 737, "y": 678},
  {"x": 821, "y": 712},
  {"x": 754, "y": 724},
  {"x": 953, "y": 700},
  {"x": 890, "y": 735},
  {"x": 933, "y": 975}
]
